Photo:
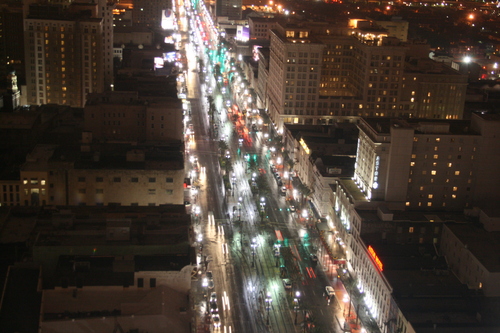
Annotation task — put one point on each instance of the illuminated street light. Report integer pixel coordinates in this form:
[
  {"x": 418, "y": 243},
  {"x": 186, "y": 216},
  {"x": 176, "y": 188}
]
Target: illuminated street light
[
  {"x": 296, "y": 306},
  {"x": 269, "y": 301}
]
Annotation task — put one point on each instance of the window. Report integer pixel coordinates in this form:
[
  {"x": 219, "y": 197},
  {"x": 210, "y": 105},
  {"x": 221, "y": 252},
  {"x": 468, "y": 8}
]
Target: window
[
  {"x": 430, "y": 196},
  {"x": 436, "y": 157},
  {"x": 134, "y": 180},
  {"x": 450, "y": 165},
  {"x": 140, "y": 283},
  {"x": 457, "y": 173},
  {"x": 169, "y": 180},
  {"x": 453, "y": 196},
  {"x": 170, "y": 192},
  {"x": 152, "y": 180},
  {"x": 433, "y": 172},
  {"x": 81, "y": 179},
  {"x": 42, "y": 182},
  {"x": 455, "y": 188},
  {"x": 82, "y": 191},
  {"x": 412, "y": 163},
  {"x": 99, "y": 179},
  {"x": 117, "y": 179},
  {"x": 429, "y": 204},
  {"x": 152, "y": 191},
  {"x": 411, "y": 230},
  {"x": 99, "y": 191},
  {"x": 407, "y": 203},
  {"x": 34, "y": 181}
]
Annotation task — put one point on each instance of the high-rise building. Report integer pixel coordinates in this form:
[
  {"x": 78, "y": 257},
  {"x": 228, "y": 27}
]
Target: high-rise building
[
  {"x": 149, "y": 13},
  {"x": 321, "y": 73},
  {"x": 68, "y": 52},
  {"x": 428, "y": 165},
  {"x": 228, "y": 8}
]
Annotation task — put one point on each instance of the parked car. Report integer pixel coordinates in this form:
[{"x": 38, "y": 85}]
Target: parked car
[
  {"x": 314, "y": 257},
  {"x": 287, "y": 283},
  {"x": 213, "y": 297}
]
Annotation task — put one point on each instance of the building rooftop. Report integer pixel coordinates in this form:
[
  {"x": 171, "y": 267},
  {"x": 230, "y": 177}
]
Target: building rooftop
[
  {"x": 485, "y": 246},
  {"x": 20, "y": 308},
  {"x": 88, "y": 226},
  {"x": 155, "y": 310},
  {"x": 422, "y": 126}
]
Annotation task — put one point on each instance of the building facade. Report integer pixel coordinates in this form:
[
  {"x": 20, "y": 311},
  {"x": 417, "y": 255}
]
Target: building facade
[{"x": 69, "y": 52}]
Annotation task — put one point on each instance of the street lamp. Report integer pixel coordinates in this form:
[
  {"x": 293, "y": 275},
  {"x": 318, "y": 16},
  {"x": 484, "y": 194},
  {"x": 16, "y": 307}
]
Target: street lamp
[
  {"x": 269, "y": 301},
  {"x": 253, "y": 245},
  {"x": 296, "y": 306},
  {"x": 240, "y": 200},
  {"x": 262, "y": 208}
]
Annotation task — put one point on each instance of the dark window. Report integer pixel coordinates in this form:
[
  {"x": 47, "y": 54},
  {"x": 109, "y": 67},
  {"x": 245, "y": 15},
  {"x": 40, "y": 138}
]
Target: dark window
[
  {"x": 140, "y": 283},
  {"x": 81, "y": 190},
  {"x": 134, "y": 180},
  {"x": 170, "y": 180},
  {"x": 117, "y": 179},
  {"x": 152, "y": 180},
  {"x": 99, "y": 179},
  {"x": 81, "y": 179}
]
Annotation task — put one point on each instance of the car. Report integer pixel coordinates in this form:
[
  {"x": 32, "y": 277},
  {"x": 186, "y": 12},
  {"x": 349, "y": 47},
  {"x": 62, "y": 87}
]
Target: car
[
  {"x": 292, "y": 208},
  {"x": 280, "y": 183},
  {"x": 216, "y": 321},
  {"x": 213, "y": 297},
  {"x": 211, "y": 284},
  {"x": 283, "y": 190},
  {"x": 287, "y": 283},
  {"x": 214, "y": 309},
  {"x": 314, "y": 258},
  {"x": 209, "y": 274},
  {"x": 329, "y": 290}
]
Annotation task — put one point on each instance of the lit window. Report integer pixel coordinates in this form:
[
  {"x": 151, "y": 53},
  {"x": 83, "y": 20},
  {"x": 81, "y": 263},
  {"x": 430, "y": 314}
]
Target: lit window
[
  {"x": 453, "y": 196},
  {"x": 430, "y": 196},
  {"x": 42, "y": 182},
  {"x": 434, "y": 164},
  {"x": 413, "y": 155},
  {"x": 436, "y": 157},
  {"x": 455, "y": 188},
  {"x": 407, "y": 203},
  {"x": 457, "y": 173},
  {"x": 433, "y": 172},
  {"x": 435, "y": 148},
  {"x": 411, "y": 230},
  {"x": 438, "y": 139},
  {"x": 421, "y": 188},
  {"x": 63, "y": 88},
  {"x": 25, "y": 181},
  {"x": 412, "y": 163},
  {"x": 450, "y": 165},
  {"x": 429, "y": 204}
]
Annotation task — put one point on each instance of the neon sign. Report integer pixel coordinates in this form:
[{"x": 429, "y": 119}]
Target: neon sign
[{"x": 375, "y": 258}]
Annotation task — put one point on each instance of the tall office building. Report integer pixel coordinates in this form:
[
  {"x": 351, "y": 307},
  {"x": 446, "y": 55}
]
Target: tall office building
[
  {"x": 429, "y": 164},
  {"x": 68, "y": 51},
  {"x": 228, "y": 8},
  {"x": 321, "y": 73},
  {"x": 148, "y": 13}
]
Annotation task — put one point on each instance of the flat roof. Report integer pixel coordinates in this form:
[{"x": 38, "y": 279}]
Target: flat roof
[{"x": 484, "y": 245}]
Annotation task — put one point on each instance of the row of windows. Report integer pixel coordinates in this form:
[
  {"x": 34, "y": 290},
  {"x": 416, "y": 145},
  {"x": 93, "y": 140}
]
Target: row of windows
[
  {"x": 101, "y": 191},
  {"x": 119, "y": 179},
  {"x": 436, "y": 156}
]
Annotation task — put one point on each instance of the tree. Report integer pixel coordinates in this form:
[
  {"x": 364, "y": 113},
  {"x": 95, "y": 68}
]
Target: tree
[{"x": 223, "y": 147}]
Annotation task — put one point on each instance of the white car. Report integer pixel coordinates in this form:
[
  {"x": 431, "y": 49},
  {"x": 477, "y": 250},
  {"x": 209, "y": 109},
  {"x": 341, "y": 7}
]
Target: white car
[
  {"x": 216, "y": 321},
  {"x": 287, "y": 283}
]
